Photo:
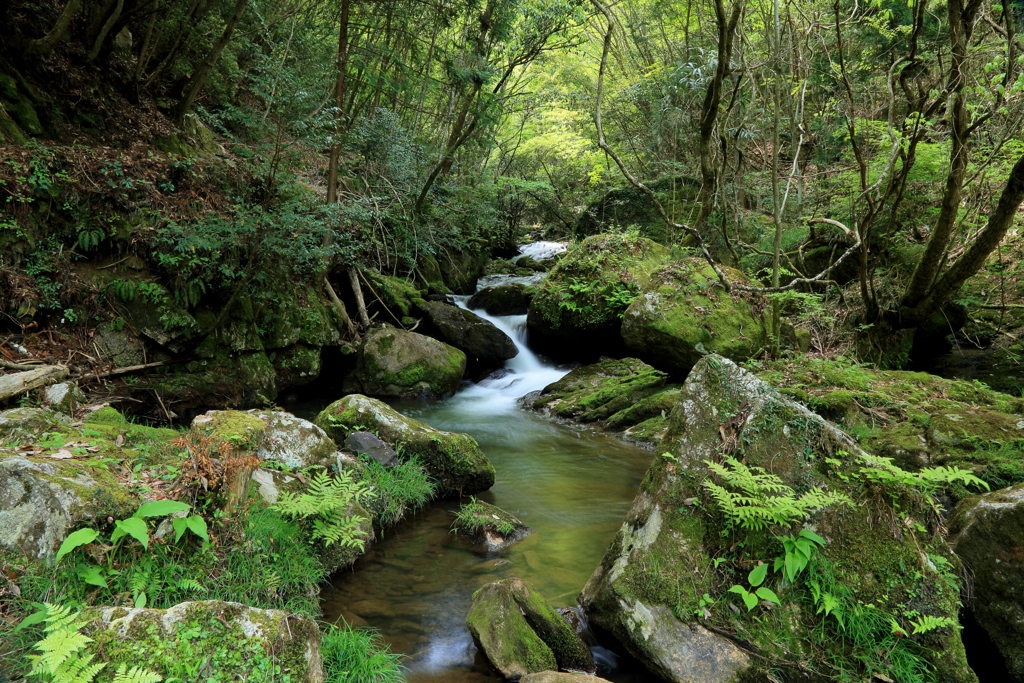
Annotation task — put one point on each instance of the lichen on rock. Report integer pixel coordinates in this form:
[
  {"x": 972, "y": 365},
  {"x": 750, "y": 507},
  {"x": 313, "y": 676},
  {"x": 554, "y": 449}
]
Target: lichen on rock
[{"x": 397, "y": 363}]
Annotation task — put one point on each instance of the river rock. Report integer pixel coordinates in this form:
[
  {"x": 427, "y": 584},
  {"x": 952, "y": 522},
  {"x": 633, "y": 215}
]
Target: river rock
[
  {"x": 292, "y": 441},
  {"x": 510, "y": 299},
  {"x": 371, "y": 445},
  {"x": 464, "y": 330},
  {"x": 453, "y": 459},
  {"x": 599, "y": 391},
  {"x": 530, "y": 263},
  {"x": 64, "y": 397},
  {"x": 664, "y": 558},
  {"x": 521, "y": 634},
  {"x": 489, "y": 526},
  {"x": 556, "y": 677},
  {"x": 987, "y": 533},
  {"x": 683, "y": 313},
  {"x": 237, "y": 641},
  {"x": 397, "y": 363},
  {"x": 578, "y": 307}
]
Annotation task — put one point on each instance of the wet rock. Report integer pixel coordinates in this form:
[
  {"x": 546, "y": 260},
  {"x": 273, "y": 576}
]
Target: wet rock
[
  {"x": 397, "y": 363},
  {"x": 476, "y": 337},
  {"x": 64, "y": 397},
  {"x": 453, "y": 459},
  {"x": 683, "y": 313},
  {"x": 489, "y": 526},
  {"x": 370, "y": 445},
  {"x": 556, "y": 677},
  {"x": 160, "y": 640},
  {"x": 664, "y": 554},
  {"x": 987, "y": 532},
  {"x": 530, "y": 263},
  {"x": 578, "y": 307},
  {"x": 292, "y": 441},
  {"x": 600, "y": 391},
  {"x": 521, "y": 634},
  {"x": 510, "y": 299}
]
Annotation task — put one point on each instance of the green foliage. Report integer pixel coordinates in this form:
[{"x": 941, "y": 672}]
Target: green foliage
[
  {"x": 358, "y": 656},
  {"x": 759, "y": 500},
  {"x": 396, "y": 490},
  {"x": 328, "y": 501},
  {"x": 473, "y": 515},
  {"x": 758, "y": 592},
  {"x": 799, "y": 550},
  {"x": 926, "y": 482}
]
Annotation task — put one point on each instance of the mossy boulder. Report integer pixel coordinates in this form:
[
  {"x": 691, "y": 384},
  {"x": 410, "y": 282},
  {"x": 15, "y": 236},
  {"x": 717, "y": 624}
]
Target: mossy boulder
[
  {"x": 399, "y": 296},
  {"x": 454, "y": 460},
  {"x": 397, "y": 363},
  {"x": 479, "y": 339},
  {"x": 56, "y": 475},
  {"x": 530, "y": 263},
  {"x": 64, "y": 397},
  {"x": 18, "y": 107},
  {"x": 578, "y": 307},
  {"x": 232, "y": 430},
  {"x": 510, "y": 299},
  {"x": 557, "y": 677},
  {"x": 118, "y": 345},
  {"x": 677, "y": 547},
  {"x": 520, "y": 633},
  {"x": 225, "y": 379},
  {"x": 628, "y": 206},
  {"x": 292, "y": 441},
  {"x": 917, "y": 419},
  {"x": 600, "y": 391},
  {"x": 231, "y": 640},
  {"x": 683, "y": 313},
  {"x": 192, "y": 139},
  {"x": 460, "y": 269},
  {"x": 488, "y": 526},
  {"x": 987, "y": 532},
  {"x": 295, "y": 365}
]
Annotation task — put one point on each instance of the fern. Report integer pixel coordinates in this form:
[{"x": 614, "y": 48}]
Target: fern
[
  {"x": 927, "y": 481},
  {"x": 927, "y": 623},
  {"x": 327, "y": 500},
  {"x": 62, "y": 658},
  {"x": 753, "y": 499},
  {"x": 136, "y": 674}
]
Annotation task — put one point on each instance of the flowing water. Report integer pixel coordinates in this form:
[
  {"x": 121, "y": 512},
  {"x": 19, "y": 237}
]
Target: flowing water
[{"x": 572, "y": 484}]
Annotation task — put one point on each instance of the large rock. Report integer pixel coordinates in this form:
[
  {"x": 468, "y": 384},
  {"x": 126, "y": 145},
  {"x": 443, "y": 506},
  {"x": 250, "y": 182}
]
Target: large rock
[
  {"x": 510, "y": 299},
  {"x": 599, "y": 391},
  {"x": 556, "y": 677},
  {"x": 397, "y": 363},
  {"x": 476, "y": 337},
  {"x": 683, "y": 313},
  {"x": 629, "y": 206},
  {"x": 987, "y": 533},
  {"x": 488, "y": 526},
  {"x": 235, "y": 642},
  {"x": 677, "y": 546},
  {"x": 64, "y": 397},
  {"x": 454, "y": 460},
  {"x": 292, "y": 441},
  {"x": 578, "y": 307},
  {"x": 371, "y": 446},
  {"x": 520, "y": 633}
]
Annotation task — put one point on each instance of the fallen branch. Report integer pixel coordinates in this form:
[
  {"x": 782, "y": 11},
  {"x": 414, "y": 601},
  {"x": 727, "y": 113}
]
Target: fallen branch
[
  {"x": 22, "y": 382},
  {"x": 131, "y": 368}
]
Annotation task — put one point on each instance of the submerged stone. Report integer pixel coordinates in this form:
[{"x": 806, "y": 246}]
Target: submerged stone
[
  {"x": 397, "y": 363},
  {"x": 453, "y": 459},
  {"x": 489, "y": 526}
]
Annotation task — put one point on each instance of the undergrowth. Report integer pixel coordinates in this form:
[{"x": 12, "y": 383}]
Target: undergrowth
[{"x": 397, "y": 491}]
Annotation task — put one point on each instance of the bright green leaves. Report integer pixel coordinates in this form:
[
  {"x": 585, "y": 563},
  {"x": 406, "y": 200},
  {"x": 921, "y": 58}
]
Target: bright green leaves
[
  {"x": 756, "y": 577},
  {"x": 328, "y": 501},
  {"x": 160, "y": 508},
  {"x": 799, "y": 550},
  {"x": 196, "y": 524},
  {"x": 134, "y": 527},
  {"x": 749, "y": 599},
  {"x": 75, "y": 540},
  {"x": 93, "y": 576},
  {"x": 757, "y": 592}
]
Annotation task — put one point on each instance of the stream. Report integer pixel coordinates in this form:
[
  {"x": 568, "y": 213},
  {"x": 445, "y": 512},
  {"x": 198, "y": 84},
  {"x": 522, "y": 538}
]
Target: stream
[{"x": 573, "y": 485}]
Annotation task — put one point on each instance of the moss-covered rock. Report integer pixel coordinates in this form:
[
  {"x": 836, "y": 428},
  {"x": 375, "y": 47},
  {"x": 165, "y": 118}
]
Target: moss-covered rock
[
  {"x": 683, "y": 313},
  {"x": 296, "y": 365},
  {"x": 578, "y": 308},
  {"x": 627, "y": 206},
  {"x": 915, "y": 418},
  {"x": 488, "y": 526},
  {"x": 398, "y": 363},
  {"x": 230, "y": 641},
  {"x": 18, "y": 107},
  {"x": 454, "y": 460},
  {"x": 502, "y": 633},
  {"x": 600, "y": 391},
  {"x": 64, "y": 397},
  {"x": 479, "y": 339},
  {"x": 193, "y": 139},
  {"x": 231, "y": 429},
  {"x": 292, "y": 441},
  {"x": 400, "y": 297},
  {"x": 987, "y": 533},
  {"x": 511, "y": 299},
  {"x": 520, "y": 633},
  {"x": 530, "y": 263},
  {"x": 677, "y": 555},
  {"x": 56, "y": 475},
  {"x": 556, "y": 677},
  {"x": 225, "y": 379},
  {"x": 460, "y": 269}
]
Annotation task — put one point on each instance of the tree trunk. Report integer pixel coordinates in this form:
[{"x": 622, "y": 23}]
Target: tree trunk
[
  {"x": 198, "y": 79},
  {"x": 21, "y": 382},
  {"x": 44, "y": 45},
  {"x": 353, "y": 278}
]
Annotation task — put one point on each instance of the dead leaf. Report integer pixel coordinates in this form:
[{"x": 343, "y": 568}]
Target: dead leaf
[
  {"x": 119, "y": 441},
  {"x": 62, "y": 454}
]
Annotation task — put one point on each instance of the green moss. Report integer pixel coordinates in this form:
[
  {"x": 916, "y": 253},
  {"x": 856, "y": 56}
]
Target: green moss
[
  {"x": 600, "y": 391},
  {"x": 657, "y": 405},
  {"x": 394, "y": 362},
  {"x": 235, "y": 428},
  {"x": 502, "y": 632}
]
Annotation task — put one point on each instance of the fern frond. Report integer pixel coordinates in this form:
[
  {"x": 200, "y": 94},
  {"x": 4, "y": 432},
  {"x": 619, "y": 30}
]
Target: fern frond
[{"x": 136, "y": 674}]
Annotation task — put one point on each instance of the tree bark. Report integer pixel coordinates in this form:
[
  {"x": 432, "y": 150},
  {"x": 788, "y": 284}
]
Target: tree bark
[
  {"x": 21, "y": 382},
  {"x": 44, "y": 45},
  {"x": 353, "y": 278},
  {"x": 104, "y": 31},
  {"x": 198, "y": 79}
]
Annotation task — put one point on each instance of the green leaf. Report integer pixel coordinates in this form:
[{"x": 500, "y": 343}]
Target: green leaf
[
  {"x": 768, "y": 594},
  {"x": 140, "y": 599},
  {"x": 161, "y": 508},
  {"x": 93, "y": 576},
  {"x": 807, "y": 533},
  {"x": 750, "y": 600},
  {"x": 180, "y": 526},
  {"x": 34, "y": 618},
  {"x": 134, "y": 527},
  {"x": 197, "y": 525},
  {"x": 738, "y": 589},
  {"x": 75, "y": 540},
  {"x": 757, "y": 575}
]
